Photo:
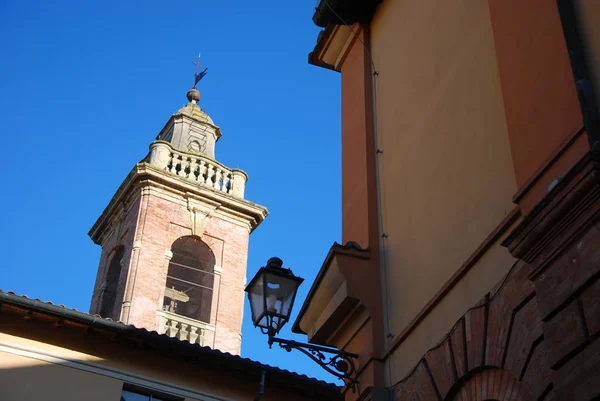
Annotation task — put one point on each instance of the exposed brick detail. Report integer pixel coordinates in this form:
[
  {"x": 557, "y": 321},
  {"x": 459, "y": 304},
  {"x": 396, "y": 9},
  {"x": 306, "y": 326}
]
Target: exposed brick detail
[
  {"x": 150, "y": 227},
  {"x": 416, "y": 387},
  {"x": 538, "y": 375},
  {"x": 568, "y": 273},
  {"x": 518, "y": 288},
  {"x": 578, "y": 379},
  {"x": 527, "y": 328},
  {"x": 475, "y": 327},
  {"x": 517, "y": 357},
  {"x": 122, "y": 233},
  {"x": 564, "y": 332},
  {"x": 590, "y": 302},
  {"x": 440, "y": 362},
  {"x": 458, "y": 348},
  {"x": 550, "y": 396},
  {"x": 492, "y": 384},
  {"x": 500, "y": 314}
]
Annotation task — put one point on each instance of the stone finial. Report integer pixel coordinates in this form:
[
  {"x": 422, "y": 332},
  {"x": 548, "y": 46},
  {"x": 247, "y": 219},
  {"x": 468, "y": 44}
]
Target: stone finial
[{"x": 193, "y": 95}]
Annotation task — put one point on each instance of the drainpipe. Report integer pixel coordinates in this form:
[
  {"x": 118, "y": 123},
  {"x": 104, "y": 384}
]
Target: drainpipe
[
  {"x": 581, "y": 72},
  {"x": 261, "y": 391}
]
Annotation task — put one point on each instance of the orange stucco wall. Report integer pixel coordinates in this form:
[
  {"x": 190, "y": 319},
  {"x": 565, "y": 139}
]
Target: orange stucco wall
[
  {"x": 475, "y": 105},
  {"x": 359, "y": 210},
  {"x": 539, "y": 94},
  {"x": 359, "y": 201},
  {"x": 446, "y": 173}
]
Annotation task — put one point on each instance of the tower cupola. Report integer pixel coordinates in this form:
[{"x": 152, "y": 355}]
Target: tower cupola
[{"x": 191, "y": 129}]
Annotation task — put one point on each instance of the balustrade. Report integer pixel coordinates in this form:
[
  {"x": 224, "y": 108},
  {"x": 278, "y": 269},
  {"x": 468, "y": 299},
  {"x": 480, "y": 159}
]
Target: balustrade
[
  {"x": 185, "y": 329},
  {"x": 199, "y": 169}
]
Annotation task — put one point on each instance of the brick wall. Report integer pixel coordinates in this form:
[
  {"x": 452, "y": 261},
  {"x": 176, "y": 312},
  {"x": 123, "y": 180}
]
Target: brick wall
[{"x": 147, "y": 230}]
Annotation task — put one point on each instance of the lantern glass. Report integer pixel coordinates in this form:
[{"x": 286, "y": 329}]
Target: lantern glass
[{"x": 271, "y": 294}]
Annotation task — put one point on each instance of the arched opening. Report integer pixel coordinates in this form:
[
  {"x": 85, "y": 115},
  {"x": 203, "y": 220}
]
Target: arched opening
[
  {"x": 109, "y": 295},
  {"x": 190, "y": 279},
  {"x": 488, "y": 384}
]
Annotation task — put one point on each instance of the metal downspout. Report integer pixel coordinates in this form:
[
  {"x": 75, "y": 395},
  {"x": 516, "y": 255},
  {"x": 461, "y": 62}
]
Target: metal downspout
[{"x": 581, "y": 72}]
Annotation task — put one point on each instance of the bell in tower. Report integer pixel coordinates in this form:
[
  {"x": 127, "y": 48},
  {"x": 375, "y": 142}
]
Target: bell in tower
[{"x": 174, "y": 238}]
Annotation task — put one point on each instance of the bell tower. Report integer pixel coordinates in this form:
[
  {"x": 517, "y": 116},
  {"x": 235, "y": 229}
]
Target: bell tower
[{"x": 174, "y": 238}]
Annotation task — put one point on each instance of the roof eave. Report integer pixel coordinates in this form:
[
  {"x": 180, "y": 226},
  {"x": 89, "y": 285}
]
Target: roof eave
[
  {"x": 221, "y": 359},
  {"x": 335, "y": 249},
  {"x": 344, "y": 12}
]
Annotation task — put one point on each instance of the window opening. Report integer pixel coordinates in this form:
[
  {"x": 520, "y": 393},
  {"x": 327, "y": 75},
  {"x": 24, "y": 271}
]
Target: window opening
[
  {"x": 190, "y": 279},
  {"x": 109, "y": 294},
  {"x": 135, "y": 393}
]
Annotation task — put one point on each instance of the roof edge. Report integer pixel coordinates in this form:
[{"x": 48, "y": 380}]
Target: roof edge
[
  {"x": 154, "y": 338},
  {"x": 336, "y": 248}
]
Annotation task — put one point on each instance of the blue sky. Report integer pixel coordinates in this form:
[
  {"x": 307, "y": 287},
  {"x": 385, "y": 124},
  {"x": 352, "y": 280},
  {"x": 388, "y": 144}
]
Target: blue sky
[{"x": 86, "y": 86}]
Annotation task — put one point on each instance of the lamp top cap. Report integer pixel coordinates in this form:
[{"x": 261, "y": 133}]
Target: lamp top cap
[{"x": 275, "y": 262}]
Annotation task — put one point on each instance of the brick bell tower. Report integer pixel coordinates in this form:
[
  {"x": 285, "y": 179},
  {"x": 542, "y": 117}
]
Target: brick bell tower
[{"x": 174, "y": 238}]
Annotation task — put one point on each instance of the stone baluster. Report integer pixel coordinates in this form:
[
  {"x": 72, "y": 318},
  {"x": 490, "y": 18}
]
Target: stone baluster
[
  {"x": 193, "y": 334},
  {"x": 226, "y": 181},
  {"x": 172, "y": 163},
  {"x": 183, "y": 331},
  {"x": 177, "y": 163},
  {"x": 193, "y": 167},
  {"x": 185, "y": 162},
  {"x": 210, "y": 174},
  {"x": 202, "y": 338},
  {"x": 218, "y": 174},
  {"x": 202, "y": 171},
  {"x": 239, "y": 183},
  {"x": 172, "y": 325}
]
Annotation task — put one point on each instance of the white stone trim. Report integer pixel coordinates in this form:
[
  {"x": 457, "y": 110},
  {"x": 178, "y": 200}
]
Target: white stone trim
[
  {"x": 152, "y": 180},
  {"x": 218, "y": 269},
  {"x": 143, "y": 381}
]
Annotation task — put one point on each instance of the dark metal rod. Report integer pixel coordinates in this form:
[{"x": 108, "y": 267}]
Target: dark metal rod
[
  {"x": 340, "y": 363},
  {"x": 296, "y": 344}
]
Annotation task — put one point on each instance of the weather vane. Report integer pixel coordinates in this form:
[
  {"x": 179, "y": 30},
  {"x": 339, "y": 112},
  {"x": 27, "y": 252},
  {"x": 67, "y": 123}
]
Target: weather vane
[{"x": 198, "y": 75}]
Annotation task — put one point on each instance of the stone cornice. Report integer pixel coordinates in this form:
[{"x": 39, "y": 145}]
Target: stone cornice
[
  {"x": 144, "y": 174},
  {"x": 565, "y": 211}
]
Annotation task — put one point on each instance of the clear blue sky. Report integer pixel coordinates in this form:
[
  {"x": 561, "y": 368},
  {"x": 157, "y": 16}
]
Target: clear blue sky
[{"x": 85, "y": 86}]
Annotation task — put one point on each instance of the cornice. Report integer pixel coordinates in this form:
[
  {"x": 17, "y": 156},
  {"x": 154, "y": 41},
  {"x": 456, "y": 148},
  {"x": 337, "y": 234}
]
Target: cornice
[
  {"x": 144, "y": 175},
  {"x": 560, "y": 217},
  {"x": 333, "y": 44},
  {"x": 350, "y": 249}
]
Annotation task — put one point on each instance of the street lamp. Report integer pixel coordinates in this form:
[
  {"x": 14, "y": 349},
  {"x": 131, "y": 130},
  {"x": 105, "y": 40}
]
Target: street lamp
[{"x": 271, "y": 293}]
